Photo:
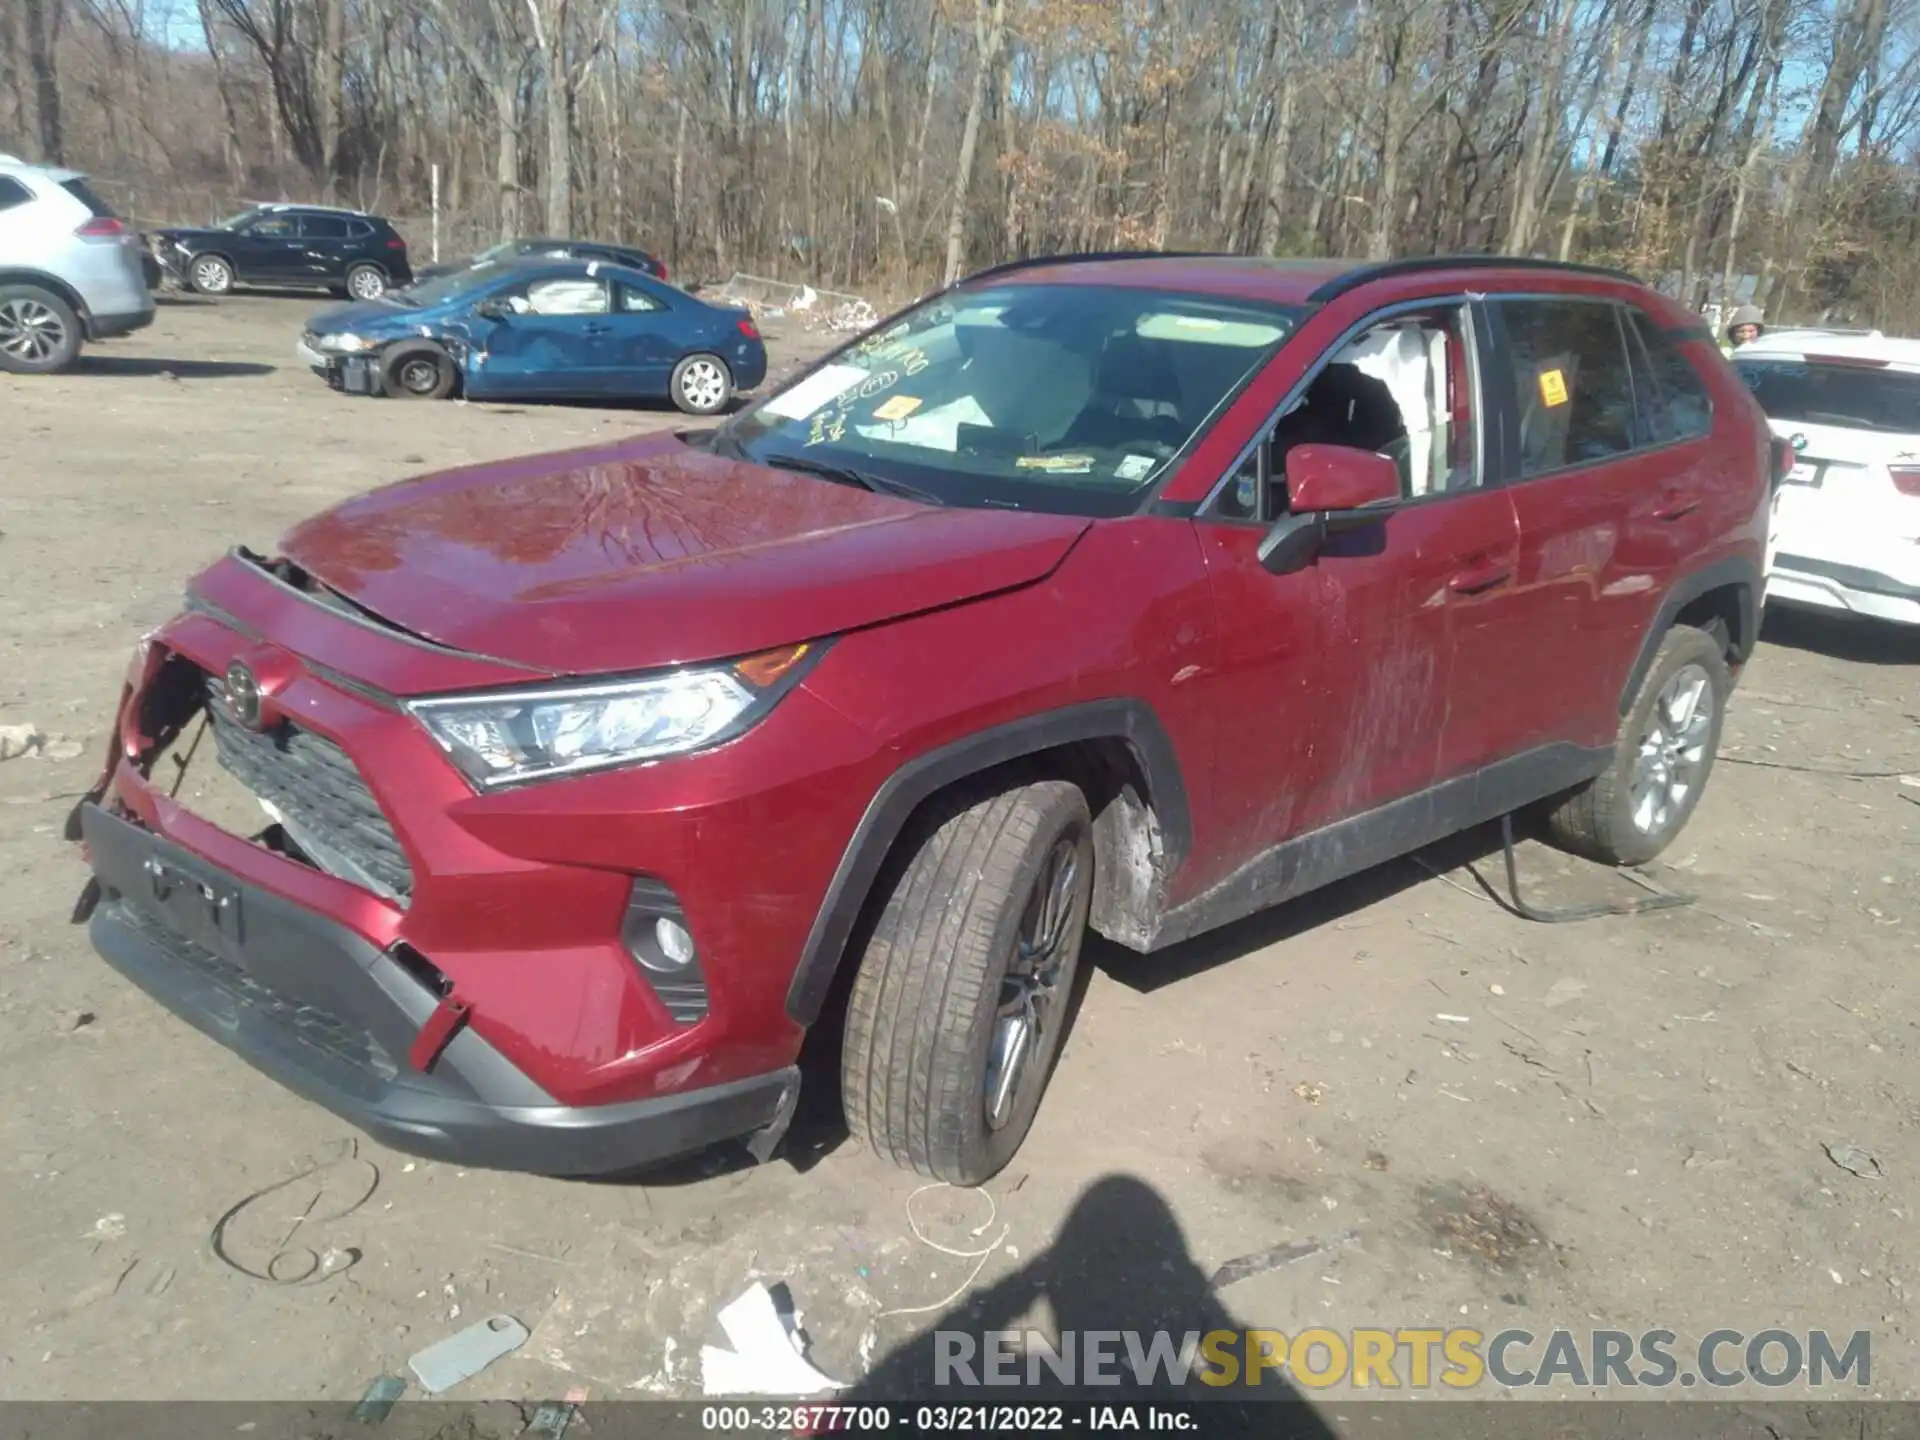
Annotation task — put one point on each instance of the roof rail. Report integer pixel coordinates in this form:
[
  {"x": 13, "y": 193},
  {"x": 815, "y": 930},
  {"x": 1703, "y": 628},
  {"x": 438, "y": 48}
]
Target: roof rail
[
  {"x": 1365, "y": 273},
  {"x": 1033, "y": 262}
]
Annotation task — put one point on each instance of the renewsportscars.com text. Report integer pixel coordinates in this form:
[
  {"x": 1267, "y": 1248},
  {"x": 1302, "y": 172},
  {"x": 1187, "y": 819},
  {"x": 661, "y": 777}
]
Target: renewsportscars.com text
[{"x": 1382, "y": 1359}]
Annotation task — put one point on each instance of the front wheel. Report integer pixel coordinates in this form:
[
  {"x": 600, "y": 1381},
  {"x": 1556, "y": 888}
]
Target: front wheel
[
  {"x": 39, "y": 333},
  {"x": 1661, "y": 759},
  {"x": 210, "y": 275},
  {"x": 702, "y": 384},
  {"x": 962, "y": 995},
  {"x": 420, "y": 372}
]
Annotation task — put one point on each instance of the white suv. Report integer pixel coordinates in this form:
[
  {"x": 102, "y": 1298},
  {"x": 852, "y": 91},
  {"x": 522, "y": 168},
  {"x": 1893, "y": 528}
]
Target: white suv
[
  {"x": 70, "y": 269},
  {"x": 1846, "y": 530}
]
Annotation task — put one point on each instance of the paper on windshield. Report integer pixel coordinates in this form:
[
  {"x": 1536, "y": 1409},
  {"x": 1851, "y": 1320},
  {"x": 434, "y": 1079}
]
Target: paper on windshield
[{"x": 825, "y": 385}]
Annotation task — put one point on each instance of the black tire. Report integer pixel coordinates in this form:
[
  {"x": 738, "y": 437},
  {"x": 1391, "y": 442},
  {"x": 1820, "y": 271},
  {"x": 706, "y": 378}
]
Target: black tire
[
  {"x": 210, "y": 275},
  {"x": 1606, "y": 819},
  {"x": 366, "y": 282},
  {"x": 419, "y": 371},
  {"x": 702, "y": 385},
  {"x": 923, "y": 1018},
  {"x": 39, "y": 331}
]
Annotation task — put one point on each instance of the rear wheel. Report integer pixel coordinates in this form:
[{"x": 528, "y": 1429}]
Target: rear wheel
[
  {"x": 366, "y": 282},
  {"x": 210, "y": 275},
  {"x": 1661, "y": 760},
  {"x": 702, "y": 384},
  {"x": 39, "y": 332},
  {"x": 420, "y": 372},
  {"x": 961, "y": 998}
]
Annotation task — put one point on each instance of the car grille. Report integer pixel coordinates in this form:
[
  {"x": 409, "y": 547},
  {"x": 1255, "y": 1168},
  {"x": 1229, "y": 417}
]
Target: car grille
[
  {"x": 318, "y": 1029},
  {"x": 325, "y": 805}
]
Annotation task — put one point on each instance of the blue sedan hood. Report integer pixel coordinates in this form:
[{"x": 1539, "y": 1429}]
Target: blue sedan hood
[{"x": 370, "y": 317}]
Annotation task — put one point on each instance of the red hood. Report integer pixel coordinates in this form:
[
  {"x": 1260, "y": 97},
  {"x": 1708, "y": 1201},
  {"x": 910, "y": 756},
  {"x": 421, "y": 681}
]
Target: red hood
[{"x": 650, "y": 553}]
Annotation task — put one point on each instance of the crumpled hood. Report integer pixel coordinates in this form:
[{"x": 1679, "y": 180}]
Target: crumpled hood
[
  {"x": 651, "y": 553},
  {"x": 363, "y": 315}
]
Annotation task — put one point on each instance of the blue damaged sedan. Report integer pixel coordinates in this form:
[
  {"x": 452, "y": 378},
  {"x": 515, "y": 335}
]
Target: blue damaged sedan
[{"x": 540, "y": 330}]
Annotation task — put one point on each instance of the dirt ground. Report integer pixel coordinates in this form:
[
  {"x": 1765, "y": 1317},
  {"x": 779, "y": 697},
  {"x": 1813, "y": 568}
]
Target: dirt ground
[{"x": 1622, "y": 1124}]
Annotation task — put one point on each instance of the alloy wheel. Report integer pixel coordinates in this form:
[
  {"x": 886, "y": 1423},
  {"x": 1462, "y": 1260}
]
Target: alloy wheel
[
  {"x": 1031, "y": 999},
  {"x": 366, "y": 285},
  {"x": 30, "y": 331},
  {"x": 703, "y": 385},
  {"x": 1673, "y": 751}
]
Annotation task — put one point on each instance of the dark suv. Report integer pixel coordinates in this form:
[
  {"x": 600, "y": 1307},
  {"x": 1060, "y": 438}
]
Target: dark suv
[
  {"x": 1133, "y": 591},
  {"x": 308, "y": 246},
  {"x": 508, "y": 251}
]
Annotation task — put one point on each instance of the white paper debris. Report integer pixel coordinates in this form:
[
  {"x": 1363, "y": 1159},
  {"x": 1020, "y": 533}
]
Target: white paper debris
[{"x": 765, "y": 1358}]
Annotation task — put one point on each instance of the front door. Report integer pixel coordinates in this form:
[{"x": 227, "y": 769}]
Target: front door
[
  {"x": 551, "y": 343},
  {"x": 269, "y": 251},
  {"x": 1341, "y": 681}
]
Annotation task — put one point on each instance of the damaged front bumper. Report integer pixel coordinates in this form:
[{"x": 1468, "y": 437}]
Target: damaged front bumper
[{"x": 335, "y": 1019}]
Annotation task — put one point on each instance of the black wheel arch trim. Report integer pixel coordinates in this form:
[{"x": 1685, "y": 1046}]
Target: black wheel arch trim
[
  {"x": 1741, "y": 573},
  {"x": 1122, "y": 718},
  {"x": 21, "y": 275}
]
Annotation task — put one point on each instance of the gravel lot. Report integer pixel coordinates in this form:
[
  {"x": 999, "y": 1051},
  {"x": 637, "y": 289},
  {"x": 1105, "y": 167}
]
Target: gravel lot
[{"x": 1627, "y": 1127}]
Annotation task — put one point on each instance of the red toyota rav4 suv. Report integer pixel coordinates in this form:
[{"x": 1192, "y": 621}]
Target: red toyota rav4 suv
[{"x": 1133, "y": 591}]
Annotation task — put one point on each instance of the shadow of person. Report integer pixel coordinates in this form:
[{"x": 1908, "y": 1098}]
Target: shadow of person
[{"x": 1119, "y": 1264}]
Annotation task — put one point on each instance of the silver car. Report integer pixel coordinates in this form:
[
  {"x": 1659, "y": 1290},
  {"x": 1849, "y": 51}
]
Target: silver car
[{"x": 70, "y": 269}]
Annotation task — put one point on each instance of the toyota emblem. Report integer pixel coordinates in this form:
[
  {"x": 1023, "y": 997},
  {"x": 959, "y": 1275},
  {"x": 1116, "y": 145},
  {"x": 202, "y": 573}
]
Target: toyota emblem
[{"x": 243, "y": 695}]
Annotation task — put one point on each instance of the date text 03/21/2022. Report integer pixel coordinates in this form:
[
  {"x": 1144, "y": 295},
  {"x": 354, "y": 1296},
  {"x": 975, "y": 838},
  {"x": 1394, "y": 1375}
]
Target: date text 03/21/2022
[{"x": 944, "y": 1419}]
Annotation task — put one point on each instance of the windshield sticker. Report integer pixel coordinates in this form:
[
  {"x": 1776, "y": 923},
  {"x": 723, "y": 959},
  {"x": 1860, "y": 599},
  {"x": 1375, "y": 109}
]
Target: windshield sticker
[
  {"x": 1134, "y": 467},
  {"x": 898, "y": 408},
  {"x": 1553, "y": 388},
  {"x": 1056, "y": 464},
  {"x": 826, "y": 384},
  {"x": 827, "y": 427}
]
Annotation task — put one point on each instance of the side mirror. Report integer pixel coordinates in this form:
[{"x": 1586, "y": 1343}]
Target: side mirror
[
  {"x": 493, "y": 308},
  {"x": 1331, "y": 489}
]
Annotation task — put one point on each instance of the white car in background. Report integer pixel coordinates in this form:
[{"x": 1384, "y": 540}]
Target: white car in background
[
  {"x": 70, "y": 269},
  {"x": 1846, "y": 523}
]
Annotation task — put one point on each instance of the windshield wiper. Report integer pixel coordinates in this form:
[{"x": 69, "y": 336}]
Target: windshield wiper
[{"x": 847, "y": 475}]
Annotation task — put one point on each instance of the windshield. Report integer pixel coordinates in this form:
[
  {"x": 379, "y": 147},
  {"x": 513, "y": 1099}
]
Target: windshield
[
  {"x": 234, "y": 222},
  {"x": 1857, "y": 397},
  {"x": 443, "y": 287},
  {"x": 1061, "y": 397},
  {"x": 497, "y": 252}
]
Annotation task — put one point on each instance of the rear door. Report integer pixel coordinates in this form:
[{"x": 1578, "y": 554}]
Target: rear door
[
  {"x": 1606, "y": 510},
  {"x": 324, "y": 242},
  {"x": 1849, "y": 511}
]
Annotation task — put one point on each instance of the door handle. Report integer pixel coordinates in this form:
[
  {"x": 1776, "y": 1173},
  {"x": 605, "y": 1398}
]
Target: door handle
[
  {"x": 1479, "y": 579},
  {"x": 596, "y": 329},
  {"x": 1675, "y": 506}
]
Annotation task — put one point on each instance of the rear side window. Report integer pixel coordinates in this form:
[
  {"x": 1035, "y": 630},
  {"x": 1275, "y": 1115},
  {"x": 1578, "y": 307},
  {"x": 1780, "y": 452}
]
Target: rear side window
[
  {"x": 83, "y": 192},
  {"x": 13, "y": 193},
  {"x": 323, "y": 227},
  {"x": 1672, "y": 400},
  {"x": 359, "y": 230},
  {"x": 1572, "y": 382},
  {"x": 1857, "y": 397}
]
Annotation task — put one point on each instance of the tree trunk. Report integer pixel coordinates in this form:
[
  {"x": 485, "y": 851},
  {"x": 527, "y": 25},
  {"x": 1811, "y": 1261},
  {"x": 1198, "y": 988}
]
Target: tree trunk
[
  {"x": 329, "y": 73},
  {"x": 1279, "y": 156},
  {"x": 506, "y": 162},
  {"x": 989, "y": 28},
  {"x": 43, "y": 19}
]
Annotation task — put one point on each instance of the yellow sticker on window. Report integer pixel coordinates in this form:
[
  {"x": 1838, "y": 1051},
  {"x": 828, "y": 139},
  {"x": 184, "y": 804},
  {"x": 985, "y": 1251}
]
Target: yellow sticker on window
[
  {"x": 1553, "y": 388},
  {"x": 898, "y": 408}
]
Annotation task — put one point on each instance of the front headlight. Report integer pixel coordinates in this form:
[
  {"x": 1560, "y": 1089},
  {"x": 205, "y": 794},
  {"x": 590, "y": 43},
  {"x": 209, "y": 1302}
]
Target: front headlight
[
  {"x": 347, "y": 344},
  {"x": 503, "y": 737}
]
